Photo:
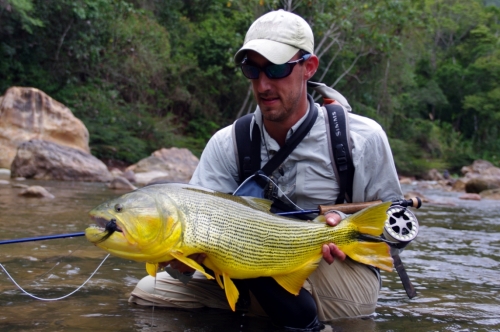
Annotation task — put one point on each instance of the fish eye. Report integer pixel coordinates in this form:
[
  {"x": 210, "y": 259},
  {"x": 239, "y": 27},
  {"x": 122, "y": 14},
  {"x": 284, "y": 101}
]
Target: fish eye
[{"x": 118, "y": 208}]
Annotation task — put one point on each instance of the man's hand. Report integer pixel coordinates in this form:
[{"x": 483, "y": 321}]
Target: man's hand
[
  {"x": 331, "y": 251},
  {"x": 181, "y": 267}
]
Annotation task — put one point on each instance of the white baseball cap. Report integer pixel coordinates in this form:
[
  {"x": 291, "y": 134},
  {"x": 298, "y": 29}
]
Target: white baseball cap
[{"x": 277, "y": 36}]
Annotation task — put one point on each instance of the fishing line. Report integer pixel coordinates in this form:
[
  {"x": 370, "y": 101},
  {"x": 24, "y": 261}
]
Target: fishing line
[
  {"x": 275, "y": 184},
  {"x": 40, "y": 276},
  {"x": 58, "y": 298}
]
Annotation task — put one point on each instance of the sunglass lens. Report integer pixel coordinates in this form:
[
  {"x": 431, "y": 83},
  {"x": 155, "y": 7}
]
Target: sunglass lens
[
  {"x": 249, "y": 71},
  {"x": 278, "y": 71}
]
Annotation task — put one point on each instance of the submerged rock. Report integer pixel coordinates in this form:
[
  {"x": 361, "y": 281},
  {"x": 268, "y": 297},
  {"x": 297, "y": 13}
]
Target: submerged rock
[
  {"x": 471, "y": 197},
  {"x": 36, "y": 191},
  {"x": 121, "y": 183}
]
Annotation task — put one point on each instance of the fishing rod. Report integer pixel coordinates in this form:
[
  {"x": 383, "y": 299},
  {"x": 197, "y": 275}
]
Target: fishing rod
[
  {"x": 347, "y": 208},
  {"x": 350, "y": 208},
  {"x": 39, "y": 238}
]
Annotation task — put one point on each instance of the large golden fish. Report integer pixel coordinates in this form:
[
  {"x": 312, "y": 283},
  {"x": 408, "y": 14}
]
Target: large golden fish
[{"x": 240, "y": 237}]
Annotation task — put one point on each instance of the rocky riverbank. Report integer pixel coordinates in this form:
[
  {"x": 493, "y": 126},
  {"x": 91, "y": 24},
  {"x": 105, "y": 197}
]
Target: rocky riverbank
[{"x": 40, "y": 138}]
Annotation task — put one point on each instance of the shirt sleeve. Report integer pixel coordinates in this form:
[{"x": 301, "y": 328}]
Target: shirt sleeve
[
  {"x": 217, "y": 167},
  {"x": 375, "y": 176}
]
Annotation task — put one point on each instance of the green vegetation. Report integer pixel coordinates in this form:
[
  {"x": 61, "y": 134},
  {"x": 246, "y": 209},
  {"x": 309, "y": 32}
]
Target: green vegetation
[{"x": 146, "y": 74}]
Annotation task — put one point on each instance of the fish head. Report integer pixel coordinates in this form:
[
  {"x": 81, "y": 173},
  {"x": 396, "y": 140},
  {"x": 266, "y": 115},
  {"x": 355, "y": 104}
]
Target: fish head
[{"x": 136, "y": 226}]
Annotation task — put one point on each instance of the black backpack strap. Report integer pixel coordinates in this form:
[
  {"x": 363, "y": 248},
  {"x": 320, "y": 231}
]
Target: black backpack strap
[
  {"x": 248, "y": 153},
  {"x": 338, "y": 132},
  {"x": 247, "y": 148}
]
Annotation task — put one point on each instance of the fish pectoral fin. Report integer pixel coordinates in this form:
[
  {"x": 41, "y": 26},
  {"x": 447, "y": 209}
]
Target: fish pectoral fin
[
  {"x": 232, "y": 293},
  {"x": 152, "y": 268},
  {"x": 371, "y": 253},
  {"x": 294, "y": 281},
  {"x": 191, "y": 263}
]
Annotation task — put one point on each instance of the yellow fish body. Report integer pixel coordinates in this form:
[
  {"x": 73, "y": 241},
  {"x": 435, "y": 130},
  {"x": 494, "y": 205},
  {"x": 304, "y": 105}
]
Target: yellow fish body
[{"x": 240, "y": 237}]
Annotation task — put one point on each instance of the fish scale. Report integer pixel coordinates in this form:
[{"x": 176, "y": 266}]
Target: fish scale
[{"x": 253, "y": 239}]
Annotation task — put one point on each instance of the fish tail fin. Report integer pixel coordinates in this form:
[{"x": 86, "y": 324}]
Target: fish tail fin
[
  {"x": 370, "y": 222},
  {"x": 371, "y": 253}
]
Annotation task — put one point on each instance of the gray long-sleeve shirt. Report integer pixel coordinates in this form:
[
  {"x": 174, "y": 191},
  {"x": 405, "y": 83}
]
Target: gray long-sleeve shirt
[{"x": 307, "y": 175}]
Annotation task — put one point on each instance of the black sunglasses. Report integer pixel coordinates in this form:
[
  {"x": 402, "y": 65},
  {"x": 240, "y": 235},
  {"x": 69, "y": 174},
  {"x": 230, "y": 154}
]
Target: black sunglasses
[{"x": 252, "y": 71}]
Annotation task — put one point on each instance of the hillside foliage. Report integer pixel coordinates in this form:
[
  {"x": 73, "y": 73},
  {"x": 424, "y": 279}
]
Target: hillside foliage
[{"x": 146, "y": 74}]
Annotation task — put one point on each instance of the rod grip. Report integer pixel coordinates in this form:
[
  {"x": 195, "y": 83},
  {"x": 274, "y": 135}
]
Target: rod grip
[{"x": 347, "y": 208}]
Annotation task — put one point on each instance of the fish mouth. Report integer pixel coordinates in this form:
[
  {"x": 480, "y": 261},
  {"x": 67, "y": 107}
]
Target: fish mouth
[{"x": 107, "y": 226}]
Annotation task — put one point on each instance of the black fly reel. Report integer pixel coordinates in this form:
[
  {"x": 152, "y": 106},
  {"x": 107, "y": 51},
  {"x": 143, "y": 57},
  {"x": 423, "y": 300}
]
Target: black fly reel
[{"x": 401, "y": 226}]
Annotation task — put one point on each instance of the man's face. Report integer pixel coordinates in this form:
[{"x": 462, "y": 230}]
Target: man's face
[{"x": 279, "y": 99}]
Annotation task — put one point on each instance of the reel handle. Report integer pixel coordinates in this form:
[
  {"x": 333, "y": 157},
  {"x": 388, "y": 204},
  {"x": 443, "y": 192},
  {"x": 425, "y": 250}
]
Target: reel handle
[{"x": 414, "y": 202}]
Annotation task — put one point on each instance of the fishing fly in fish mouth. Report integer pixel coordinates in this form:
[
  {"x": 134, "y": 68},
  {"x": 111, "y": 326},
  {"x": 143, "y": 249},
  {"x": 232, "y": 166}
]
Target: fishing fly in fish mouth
[
  {"x": 110, "y": 228},
  {"x": 239, "y": 236}
]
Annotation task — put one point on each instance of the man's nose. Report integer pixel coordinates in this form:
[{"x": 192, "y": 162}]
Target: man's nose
[{"x": 263, "y": 83}]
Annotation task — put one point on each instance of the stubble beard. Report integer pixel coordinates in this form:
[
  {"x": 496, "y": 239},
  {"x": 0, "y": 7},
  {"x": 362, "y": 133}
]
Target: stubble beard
[{"x": 283, "y": 112}]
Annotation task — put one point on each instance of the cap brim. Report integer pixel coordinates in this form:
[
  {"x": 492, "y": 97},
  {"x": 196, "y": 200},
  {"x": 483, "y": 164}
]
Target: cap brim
[{"x": 273, "y": 51}]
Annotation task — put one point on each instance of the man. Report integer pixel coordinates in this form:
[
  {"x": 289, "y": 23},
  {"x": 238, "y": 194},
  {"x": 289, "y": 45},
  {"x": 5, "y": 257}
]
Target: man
[{"x": 278, "y": 58}]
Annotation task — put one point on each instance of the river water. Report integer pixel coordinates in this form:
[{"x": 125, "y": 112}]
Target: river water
[{"x": 454, "y": 264}]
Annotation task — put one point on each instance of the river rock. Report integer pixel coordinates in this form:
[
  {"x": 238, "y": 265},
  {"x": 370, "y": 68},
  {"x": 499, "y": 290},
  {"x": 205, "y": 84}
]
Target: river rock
[
  {"x": 477, "y": 167},
  {"x": 28, "y": 113},
  {"x": 174, "y": 165},
  {"x": 120, "y": 183},
  {"x": 405, "y": 180},
  {"x": 459, "y": 184},
  {"x": 36, "y": 191},
  {"x": 433, "y": 175},
  {"x": 482, "y": 183},
  {"x": 491, "y": 194},
  {"x": 151, "y": 176},
  {"x": 471, "y": 197},
  {"x": 40, "y": 159}
]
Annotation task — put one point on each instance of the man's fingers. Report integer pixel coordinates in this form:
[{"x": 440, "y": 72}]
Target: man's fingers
[
  {"x": 333, "y": 218},
  {"x": 336, "y": 252},
  {"x": 327, "y": 254},
  {"x": 332, "y": 252}
]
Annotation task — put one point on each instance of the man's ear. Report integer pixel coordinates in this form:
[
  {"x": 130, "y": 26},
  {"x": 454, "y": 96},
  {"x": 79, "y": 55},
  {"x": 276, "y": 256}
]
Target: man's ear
[{"x": 311, "y": 66}]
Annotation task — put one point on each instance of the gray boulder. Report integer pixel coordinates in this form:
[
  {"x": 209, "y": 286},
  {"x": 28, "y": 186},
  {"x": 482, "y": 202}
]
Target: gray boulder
[
  {"x": 173, "y": 165},
  {"x": 45, "y": 160}
]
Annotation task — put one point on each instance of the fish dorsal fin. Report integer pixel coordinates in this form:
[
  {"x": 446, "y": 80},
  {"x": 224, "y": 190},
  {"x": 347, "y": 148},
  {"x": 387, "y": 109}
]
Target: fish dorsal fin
[
  {"x": 152, "y": 268},
  {"x": 258, "y": 203},
  {"x": 191, "y": 263},
  {"x": 232, "y": 293},
  {"x": 294, "y": 281}
]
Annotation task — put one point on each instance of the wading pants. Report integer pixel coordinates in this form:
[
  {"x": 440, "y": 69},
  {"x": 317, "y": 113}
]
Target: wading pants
[{"x": 340, "y": 290}]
